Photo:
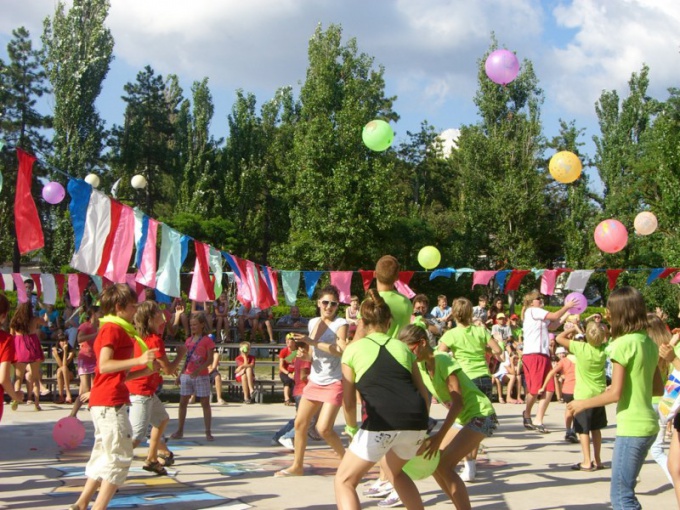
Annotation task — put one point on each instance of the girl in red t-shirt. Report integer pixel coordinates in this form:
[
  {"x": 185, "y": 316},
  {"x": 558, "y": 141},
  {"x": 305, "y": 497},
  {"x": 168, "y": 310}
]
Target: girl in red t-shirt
[
  {"x": 245, "y": 372},
  {"x": 7, "y": 358}
]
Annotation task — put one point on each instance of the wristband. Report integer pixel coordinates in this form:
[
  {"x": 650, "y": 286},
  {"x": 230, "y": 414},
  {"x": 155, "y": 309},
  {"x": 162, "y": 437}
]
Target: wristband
[{"x": 351, "y": 431}]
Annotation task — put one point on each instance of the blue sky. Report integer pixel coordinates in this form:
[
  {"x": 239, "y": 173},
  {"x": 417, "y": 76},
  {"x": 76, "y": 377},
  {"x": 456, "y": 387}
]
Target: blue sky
[{"x": 429, "y": 48}]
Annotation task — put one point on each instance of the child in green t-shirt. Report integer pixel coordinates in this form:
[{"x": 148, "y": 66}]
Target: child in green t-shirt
[
  {"x": 590, "y": 382},
  {"x": 635, "y": 378}
]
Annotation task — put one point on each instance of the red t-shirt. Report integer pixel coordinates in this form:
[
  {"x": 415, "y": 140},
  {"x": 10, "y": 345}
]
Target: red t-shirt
[
  {"x": 7, "y": 355},
  {"x": 200, "y": 353},
  {"x": 568, "y": 370},
  {"x": 300, "y": 367},
  {"x": 287, "y": 365},
  {"x": 149, "y": 384},
  {"x": 109, "y": 389}
]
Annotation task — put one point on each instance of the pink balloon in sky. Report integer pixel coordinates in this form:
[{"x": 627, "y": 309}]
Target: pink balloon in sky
[
  {"x": 53, "y": 193},
  {"x": 611, "y": 236},
  {"x": 502, "y": 66}
]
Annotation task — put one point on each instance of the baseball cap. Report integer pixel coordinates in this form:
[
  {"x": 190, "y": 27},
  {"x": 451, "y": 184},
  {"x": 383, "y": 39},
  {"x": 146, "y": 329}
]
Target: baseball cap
[
  {"x": 500, "y": 316},
  {"x": 560, "y": 350},
  {"x": 514, "y": 316}
]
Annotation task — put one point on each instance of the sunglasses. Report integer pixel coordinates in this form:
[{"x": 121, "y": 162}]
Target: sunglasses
[{"x": 329, "y": 303}]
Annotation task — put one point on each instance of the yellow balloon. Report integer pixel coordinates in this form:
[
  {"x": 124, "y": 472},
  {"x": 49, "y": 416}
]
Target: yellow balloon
[
  {"x": 565, "y": 167},
  {"x": 429, "y": 257},
  {"x": 645, "y": 223}
]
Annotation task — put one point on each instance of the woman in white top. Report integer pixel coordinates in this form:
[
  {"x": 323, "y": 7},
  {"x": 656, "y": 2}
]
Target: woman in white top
[
  {"x": 536, "y": 354},
  {"x": 323, "y": 393}
]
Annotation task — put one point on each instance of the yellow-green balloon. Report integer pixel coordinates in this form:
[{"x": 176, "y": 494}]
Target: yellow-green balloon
[
  {"x": 377, "y": 135},
  {"x": 419, "y": 467},
  {"x": 565, "y": 167},
  {"x": 429, "y": 257}
]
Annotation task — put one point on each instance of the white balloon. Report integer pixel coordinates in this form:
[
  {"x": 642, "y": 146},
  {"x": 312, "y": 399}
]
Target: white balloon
[
  {"x": 645, "y": 223},
  {"x": 138, "y": 182},
  {"x": 93, "y": 180}
]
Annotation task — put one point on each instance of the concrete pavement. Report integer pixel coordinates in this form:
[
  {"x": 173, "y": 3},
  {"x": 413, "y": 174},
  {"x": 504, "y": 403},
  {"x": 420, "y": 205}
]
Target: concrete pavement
[{"x": 518, "y": 469}]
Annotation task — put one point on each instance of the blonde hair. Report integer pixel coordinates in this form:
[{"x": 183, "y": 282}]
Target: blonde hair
[
  {"x": 595, "y": 334},
  {"x": 658, "y": 332},
  {"x": 461, "y": 309}
]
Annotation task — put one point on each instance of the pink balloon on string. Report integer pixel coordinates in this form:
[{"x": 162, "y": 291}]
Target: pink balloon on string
[
  {"x": 502, "y": 66},
  {"x": 53, "y": 193},
  {"x": 68, "y": 432},
  {"x": 582, "y": 302}
]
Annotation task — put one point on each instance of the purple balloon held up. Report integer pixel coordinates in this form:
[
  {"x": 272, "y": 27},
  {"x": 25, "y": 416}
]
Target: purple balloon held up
[
  {"x": 582, "y": 302},
  {"x": 53, "y": 193},
  {"x": 502, "y": 66}
]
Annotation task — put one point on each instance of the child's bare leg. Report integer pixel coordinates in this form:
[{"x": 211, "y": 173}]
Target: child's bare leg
[
  {"x": 511, "y": 384},
  {"x": 106, "y": 492},
  {"x": 584, "y": 439},
  {"x": 182, "y": 416},
  {"x": 84, "y": 388},
  {"x": 246, "y": 387},
  {"x": 218, "y": 388},
  {"x": 499, "y": 389},
  {"x": 90, "y": 488},
  {"x": 597, "y": 446},
  {"x": 207, "y": 417}
]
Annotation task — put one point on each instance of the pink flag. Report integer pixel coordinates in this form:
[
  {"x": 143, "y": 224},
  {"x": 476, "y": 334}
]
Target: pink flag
[
  {"x": 147, "y": 265},
  {"x": 482, "y": 277},
  {"x": 549, "y": 279},
  {"x": 74, "y": 290},
  {"x": 136, "y": 286},
  {"x": 121, "y": 248},
  {"x": 343, "y": 281},
  {"x": 202, "y": 288},
  {"x": 21, "y": 288},
  {"x": 404, "y": 289}
]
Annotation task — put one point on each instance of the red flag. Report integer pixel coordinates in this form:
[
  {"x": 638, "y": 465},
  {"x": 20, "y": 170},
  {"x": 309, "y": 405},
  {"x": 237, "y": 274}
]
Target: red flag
[
  {"x": 38, "y": 285},
  {"x": 367, "y": 278},
  {"x": 612, "y": 276},
  {"x": 60, "y": 280},
  {"x": 26, "y": 220},
  {"x": 515, "y": 279},
  {"x": 405, "y": 276}
]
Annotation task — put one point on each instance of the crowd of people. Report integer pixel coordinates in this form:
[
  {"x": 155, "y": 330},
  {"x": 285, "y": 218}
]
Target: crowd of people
[{"x": 394, "y": 356}]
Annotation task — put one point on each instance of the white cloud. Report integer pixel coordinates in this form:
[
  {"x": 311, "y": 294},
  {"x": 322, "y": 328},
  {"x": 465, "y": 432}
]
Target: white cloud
[{"x": 613, "y": 40}]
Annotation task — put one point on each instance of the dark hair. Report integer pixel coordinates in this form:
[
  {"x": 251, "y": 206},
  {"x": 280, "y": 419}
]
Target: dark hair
[
  {"x": 387, "y": 270},
  {"x": 329, "y": 290},
  {"x": 143, "y": 317},
  {"x": 117, "y": 295},
  {"x": 412, "y": 334},
  {"x": 149, "y": 295},
  {"x": 374, "y": 311},
  {"x": 21, "y": 321},
  {"x": 627, "y": 311},
  {"x": 421, "y": 298}
]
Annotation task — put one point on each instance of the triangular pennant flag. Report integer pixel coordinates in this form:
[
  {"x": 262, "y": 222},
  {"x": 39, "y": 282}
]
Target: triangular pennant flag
[
  {"x": 38, "y": 286},
  {"x": 446, "y": 272},
  {"x": 482, "y": 277},
  {"x": 463, "y": 270},
  {"x": 500, "y": 278},
  {"x": 366, "y": 278},
  {"x": 22, "y": 296},
  {"x": 549, "y": 279},
  {"x": 515, "y": 279},
  {"x": 291, "y": 285},
  {"x": 201, "y": 289},
  {"x": 49, "y": 287},
  {"x": 311, "y": 279},
  {"x": 403, "y": 288},
  {"x": 60, "y": 280},
  {"x": 578, "y": 280},
  {"x": 612, "y": 276},
  {"x": 405, "y": 277},
  {"x": 343, "y": 281},
  {"x": 654, "y": 274}
]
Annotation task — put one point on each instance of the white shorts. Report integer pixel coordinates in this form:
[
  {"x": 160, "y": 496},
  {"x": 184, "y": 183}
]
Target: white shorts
[
  {"x": 112, "y": 451},
  {"x": 373, "y": 445},
  {"x": 199, "y": 386},
  {"x": 145, "y": 410}
]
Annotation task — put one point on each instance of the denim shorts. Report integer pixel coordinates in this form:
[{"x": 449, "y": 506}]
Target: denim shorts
[
  {"x": 484, "y": 384},
  {"x": 483, "y": 424}
]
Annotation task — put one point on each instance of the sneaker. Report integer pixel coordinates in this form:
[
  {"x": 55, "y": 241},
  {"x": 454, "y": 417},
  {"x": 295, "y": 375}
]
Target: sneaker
[
  {"x": 469, "y": 472},
  {"x": 379, "y": 489},
  {"x": 287, "y": 442},
  {"x": 390, "y": 501},
  {"x": 275, "y": 442},
  {"x": 571, "y": 437}
]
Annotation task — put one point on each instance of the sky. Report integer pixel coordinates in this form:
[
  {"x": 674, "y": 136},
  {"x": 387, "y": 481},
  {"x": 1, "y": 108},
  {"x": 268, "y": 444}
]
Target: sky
[{"x": 430, "y": 49}]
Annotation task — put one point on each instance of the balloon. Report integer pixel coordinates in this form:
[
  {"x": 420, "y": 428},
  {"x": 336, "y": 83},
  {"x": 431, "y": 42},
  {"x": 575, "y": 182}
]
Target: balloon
[
  {"x": 377, "y": 135},
  {"x": 429, "y": 257},
  {"x": 93, "y": 180},
  {"x": 419, "y": 467},
  {"x": 582, "y": 302},
  {"x": 53, "y": 193},
  {"x": 565, "y": 167},
  {"x": 502, "y": 66},
  {"x": 68, "y": 433},
  {"x": 611, "y": 236},
  {"x": 645, "y": 223},
  {"x": 138, "y": 182}
]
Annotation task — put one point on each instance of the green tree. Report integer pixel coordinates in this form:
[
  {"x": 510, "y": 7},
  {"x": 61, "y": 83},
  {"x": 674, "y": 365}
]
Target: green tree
[
  {"x": 22, "y": 83},
  {"x": 143, "y": 145},
  {"x": 78, "y": 52},
  {"x": 342, "y": 195}
]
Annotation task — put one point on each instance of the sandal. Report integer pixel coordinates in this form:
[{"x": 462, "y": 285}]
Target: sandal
[
  {"x": 579, "y": 467},
  {"x": 527, "y": 422},
  {"x": 155, "y": 467},
  {"x": 167, "y": 458},
  {"x": 541, "y": 428}
]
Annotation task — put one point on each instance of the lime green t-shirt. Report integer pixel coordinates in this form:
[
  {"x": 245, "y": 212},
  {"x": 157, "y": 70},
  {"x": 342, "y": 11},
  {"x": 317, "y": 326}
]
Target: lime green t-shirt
[
  {"x": 401, "y": 309},
  {"x": 475, "y": 403},
  {"x": 590, "y": 376},
  {"x": 360, "y": 354},
  {"x": 468, "y": 345},
  {"x": 638, "y": 355}
]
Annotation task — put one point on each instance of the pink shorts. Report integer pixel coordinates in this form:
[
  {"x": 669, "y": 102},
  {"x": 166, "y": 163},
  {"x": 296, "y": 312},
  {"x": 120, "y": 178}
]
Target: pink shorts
[
  {"x": 329, "y": 394},
  {"x": 536, "y": 367}
]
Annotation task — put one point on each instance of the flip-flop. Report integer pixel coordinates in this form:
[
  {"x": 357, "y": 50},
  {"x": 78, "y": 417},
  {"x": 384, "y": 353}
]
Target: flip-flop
[
  {"x": 600, "y": 467},
  {"x": 283, "y": 473},
  {"x": 579, "y": 467}
]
